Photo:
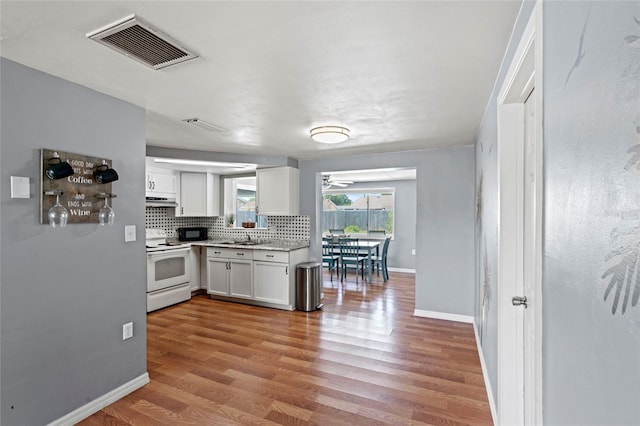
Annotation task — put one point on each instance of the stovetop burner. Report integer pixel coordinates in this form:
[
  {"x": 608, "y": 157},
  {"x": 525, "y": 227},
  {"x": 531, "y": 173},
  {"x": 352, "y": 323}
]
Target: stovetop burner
[{"x": 156, "y": 240}]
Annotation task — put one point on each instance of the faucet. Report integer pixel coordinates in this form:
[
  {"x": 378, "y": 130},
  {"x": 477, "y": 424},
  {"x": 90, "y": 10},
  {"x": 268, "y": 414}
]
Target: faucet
[{"x": 248, "y": 237}]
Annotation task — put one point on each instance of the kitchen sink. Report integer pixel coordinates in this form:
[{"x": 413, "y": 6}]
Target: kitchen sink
[{"x": 242, "y": 243}]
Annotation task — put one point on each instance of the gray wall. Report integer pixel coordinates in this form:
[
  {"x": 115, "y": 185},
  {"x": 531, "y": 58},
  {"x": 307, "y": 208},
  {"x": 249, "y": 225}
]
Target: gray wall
[
  {"x": 591, "y": 315},
  {"x": 444, "y": 219},
  {"x": 591, "y": 339},
  {"x": 65, "y": 293},
  {"x": 404, "y": 235}
]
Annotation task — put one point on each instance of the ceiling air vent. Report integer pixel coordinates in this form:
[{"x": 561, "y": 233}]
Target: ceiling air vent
[{"x": 136, "y": 39}]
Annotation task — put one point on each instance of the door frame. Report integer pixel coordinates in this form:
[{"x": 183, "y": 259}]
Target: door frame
[{"x": 519, "y": 401}]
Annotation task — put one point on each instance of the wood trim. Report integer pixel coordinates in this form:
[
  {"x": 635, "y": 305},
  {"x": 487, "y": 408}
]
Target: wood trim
[
  {"x": 512, "y": 95},
  {"x": 99, "y": 403},
  {"x": 444, "y": 316},
  {"x": 403, "y": 270}
]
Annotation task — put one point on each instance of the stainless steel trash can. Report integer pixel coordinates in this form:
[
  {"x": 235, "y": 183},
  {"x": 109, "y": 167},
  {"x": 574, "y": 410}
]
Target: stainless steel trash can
[{"x": 308, "y": 286}]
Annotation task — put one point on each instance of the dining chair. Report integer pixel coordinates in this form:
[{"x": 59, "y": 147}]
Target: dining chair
[
  {"x": 350, "y": 257},
  {"x": 329, "y": 257},
  {"x": 380, "y": 262}
]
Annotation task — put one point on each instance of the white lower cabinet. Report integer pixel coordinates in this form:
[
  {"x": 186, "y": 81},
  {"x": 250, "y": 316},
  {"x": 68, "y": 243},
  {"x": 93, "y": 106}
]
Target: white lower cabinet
[
  {"x": 218, "y": 276},
  {"x": 261, "y": 277},
  {"x": 271, "y": 281},
  {"x": 230, "y": 272},
  {"x": 240, "y": 279}
]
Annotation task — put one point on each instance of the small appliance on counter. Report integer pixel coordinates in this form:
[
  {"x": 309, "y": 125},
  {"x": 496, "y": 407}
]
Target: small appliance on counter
[{"x": 193, "y": 233}]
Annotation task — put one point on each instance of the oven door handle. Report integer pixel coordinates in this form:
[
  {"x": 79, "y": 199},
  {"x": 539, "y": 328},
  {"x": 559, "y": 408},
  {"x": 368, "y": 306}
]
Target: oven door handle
[{"x": 168, "y": 251}]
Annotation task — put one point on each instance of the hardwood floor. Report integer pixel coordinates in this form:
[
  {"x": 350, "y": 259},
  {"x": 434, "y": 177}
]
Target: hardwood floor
[{"x": 363, "y": 360}]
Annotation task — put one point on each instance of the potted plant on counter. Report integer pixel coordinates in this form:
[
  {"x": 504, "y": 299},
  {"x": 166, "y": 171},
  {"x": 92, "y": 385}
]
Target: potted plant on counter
[{"x": 231, "y": 221}]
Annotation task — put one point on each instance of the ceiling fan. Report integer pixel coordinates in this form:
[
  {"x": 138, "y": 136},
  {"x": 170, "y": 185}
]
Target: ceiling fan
[{"x": 327, "y": 182}]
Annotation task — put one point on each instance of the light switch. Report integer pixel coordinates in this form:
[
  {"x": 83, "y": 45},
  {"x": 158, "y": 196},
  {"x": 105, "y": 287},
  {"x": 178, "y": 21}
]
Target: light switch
[
  {"x": 129, "y": 233},
  {"x": 19, "y": 187}
]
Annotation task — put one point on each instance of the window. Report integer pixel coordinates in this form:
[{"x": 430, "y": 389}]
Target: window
[
  {"x": 240, "y": 202},
  {"x": 358, "y": 212}
]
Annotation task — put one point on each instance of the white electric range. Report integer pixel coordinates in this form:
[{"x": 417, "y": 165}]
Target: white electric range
[{"x": 168, "y": 270}]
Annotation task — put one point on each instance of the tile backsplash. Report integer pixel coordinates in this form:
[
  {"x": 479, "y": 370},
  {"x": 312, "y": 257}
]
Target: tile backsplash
[{"x": 278, "y": 227}]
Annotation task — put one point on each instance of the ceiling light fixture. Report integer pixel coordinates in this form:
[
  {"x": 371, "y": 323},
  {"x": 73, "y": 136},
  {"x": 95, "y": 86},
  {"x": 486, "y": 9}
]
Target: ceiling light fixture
[
  {"x": 204, "y": 163},
  {"x": 205, "y": 125},
  {"x": 329, "y": 134}
]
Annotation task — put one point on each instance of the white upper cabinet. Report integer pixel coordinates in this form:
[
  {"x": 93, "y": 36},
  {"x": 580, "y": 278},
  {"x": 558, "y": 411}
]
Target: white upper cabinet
[
  {"x": 277, "y": 191},
  {"x": 199, "y": 194},
  {"x": 160, "y": 183}
]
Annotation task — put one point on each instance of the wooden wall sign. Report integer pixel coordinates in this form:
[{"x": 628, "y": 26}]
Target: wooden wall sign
[{"x": 80, "y": 190}]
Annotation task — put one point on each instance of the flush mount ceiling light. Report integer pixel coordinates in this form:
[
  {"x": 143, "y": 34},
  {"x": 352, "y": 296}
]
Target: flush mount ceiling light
[
  {"x": 205, "y": 125},
  {"x": 329, "y": 134}
]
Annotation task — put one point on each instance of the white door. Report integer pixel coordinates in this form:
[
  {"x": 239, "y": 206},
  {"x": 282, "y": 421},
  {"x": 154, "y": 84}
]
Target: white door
[
  {"x": 271, "y": 281},
  {"x": 193, "y": 194},
  {"x": 532, "y": 213},
  {"x": 164, "y": 182},
  {"x": 519, "y": 152},
  {"x": 218, "y": 276},
  {"x": 241, "y": 278}
]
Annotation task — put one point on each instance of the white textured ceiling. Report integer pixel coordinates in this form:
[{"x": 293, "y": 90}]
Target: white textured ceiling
[{"x": 400, "y": 75}]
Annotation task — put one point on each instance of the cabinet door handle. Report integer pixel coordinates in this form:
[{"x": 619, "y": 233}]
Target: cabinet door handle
[
  {"x": 240, "y": 254},
  {"x": 269, "y": 255},
  {"x": 286, "y": 270},
  {"x": 229, "y": 265},
  {"x": 181, "y": 210},
  {"x": 217, "y": 252}
]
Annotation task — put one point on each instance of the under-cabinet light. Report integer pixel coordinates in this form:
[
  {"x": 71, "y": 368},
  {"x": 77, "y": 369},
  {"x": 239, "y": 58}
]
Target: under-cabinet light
[{"x": 204, "y": 163}]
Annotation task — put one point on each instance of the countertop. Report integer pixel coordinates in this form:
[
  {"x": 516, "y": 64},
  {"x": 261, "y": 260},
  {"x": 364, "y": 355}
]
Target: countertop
[{"x": 274, "y": 245}]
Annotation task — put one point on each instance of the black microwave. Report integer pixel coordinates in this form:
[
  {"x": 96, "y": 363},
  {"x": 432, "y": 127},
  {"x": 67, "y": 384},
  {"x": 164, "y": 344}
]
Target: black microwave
[{"x": 193, "y": 233}]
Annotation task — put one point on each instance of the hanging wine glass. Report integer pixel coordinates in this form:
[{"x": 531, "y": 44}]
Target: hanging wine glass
[
  {"x": 58, "y": 215},
  {"x": 106, "y": 216}
]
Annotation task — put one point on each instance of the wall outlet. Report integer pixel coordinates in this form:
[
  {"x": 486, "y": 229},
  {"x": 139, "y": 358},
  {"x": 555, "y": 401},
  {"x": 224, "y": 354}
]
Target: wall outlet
[
  {"x": 413, "y": 252},
  {"x": 127, "y": 331}
]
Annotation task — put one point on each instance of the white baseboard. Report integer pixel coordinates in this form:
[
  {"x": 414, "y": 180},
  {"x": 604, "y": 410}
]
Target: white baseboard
[
  {"x": 406, "y": 270},
  {"x": 98, "y": 404},
  {"x": 485, "y": 375},
  {"x": 443, "y": 316}
]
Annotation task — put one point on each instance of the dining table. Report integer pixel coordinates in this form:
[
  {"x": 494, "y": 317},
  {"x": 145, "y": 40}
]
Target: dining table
[{"x": 367, "y": 246}]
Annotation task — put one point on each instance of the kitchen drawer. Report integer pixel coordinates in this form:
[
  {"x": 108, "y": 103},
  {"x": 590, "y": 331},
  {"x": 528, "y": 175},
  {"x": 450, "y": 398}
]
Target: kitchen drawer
[
  {"x": 271, "y": 256},
  {"x": 229, "y": 253},
  {"x": 218, "y": 252}
]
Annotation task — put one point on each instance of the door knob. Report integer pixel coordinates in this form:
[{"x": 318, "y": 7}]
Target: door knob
[{"x": 517, "y": 301}]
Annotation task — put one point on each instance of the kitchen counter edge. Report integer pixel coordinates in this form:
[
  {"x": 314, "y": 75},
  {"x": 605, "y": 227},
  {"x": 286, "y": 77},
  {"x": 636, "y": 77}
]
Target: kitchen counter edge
[{"x": 284, "y": 245}]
